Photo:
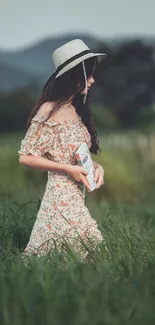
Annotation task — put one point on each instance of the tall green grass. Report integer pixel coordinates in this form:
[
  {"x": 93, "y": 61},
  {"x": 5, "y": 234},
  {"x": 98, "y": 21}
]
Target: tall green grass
[
  {"x": 111, "y": 287},
  {"x": 128, "y": 160}
]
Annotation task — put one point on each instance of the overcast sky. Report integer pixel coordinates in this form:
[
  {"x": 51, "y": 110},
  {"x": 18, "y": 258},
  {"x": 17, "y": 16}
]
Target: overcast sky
[{"x": 23, "y": 22}]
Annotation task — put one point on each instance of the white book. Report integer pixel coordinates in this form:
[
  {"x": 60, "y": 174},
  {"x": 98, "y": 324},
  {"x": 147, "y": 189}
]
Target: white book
[{"x": 84, "y": 159}]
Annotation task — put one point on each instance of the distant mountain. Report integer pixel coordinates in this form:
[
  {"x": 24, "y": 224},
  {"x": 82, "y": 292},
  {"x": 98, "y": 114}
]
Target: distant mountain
[
  {"x": 38, "y": 58},
  {"x": 18, "y": 68},
  {"x": 11, "y": 78}
]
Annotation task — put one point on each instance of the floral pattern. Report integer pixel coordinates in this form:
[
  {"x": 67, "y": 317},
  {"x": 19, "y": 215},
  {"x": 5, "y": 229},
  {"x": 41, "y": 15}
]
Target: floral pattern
[{"x": 63, "y": 214}]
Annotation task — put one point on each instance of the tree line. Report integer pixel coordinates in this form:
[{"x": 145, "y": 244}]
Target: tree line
[{"x": 125, "y": 85}]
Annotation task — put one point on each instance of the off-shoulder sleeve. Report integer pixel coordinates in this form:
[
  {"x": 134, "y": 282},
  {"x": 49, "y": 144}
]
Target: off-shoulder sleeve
[{"x": 38, "y": 138}]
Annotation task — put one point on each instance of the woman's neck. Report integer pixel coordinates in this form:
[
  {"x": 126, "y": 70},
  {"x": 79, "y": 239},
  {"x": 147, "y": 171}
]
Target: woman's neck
[{"x": 69, "y": 107}]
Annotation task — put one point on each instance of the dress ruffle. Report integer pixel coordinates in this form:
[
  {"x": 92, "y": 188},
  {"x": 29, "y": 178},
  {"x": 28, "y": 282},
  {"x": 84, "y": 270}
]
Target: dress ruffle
[{"x": 38, "y": 138}]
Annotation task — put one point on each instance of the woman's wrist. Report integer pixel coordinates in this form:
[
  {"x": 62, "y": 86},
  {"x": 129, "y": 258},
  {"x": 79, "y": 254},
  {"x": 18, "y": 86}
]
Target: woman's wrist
[
  {"x": 95, "y": 164},
  {"x": 66, "y": 168}
]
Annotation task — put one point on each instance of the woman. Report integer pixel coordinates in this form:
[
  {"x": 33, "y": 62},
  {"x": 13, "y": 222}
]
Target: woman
[{"x": 50, "y": 144}]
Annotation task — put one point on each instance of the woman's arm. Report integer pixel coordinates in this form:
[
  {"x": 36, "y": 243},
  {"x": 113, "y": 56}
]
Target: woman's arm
[
  {"x": 42, "y": 163},
  {"x": 98, "y": 174}
]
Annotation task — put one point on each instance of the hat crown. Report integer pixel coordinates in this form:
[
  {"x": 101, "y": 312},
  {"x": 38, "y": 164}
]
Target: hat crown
[{"x": 67, "y": 51}]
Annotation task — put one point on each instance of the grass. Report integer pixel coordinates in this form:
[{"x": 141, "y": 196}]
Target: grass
[
  {"x": 109, "y": 287},
  {"x": 128, "y": 160},
  {"x": 114, "y": 287}
]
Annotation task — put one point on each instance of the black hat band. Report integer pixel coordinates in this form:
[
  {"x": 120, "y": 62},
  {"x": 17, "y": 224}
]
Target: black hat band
[{"x": 71, "y": 60}]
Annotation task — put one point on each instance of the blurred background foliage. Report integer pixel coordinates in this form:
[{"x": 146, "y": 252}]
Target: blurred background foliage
[
  {"x": 123, "y": 108},
  {"x": 119, "y": 281},
  {"x": 123, "y": 95}
]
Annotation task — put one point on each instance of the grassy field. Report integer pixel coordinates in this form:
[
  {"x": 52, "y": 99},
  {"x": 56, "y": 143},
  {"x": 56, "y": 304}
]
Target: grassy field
[{"x": 114, "y": 286}]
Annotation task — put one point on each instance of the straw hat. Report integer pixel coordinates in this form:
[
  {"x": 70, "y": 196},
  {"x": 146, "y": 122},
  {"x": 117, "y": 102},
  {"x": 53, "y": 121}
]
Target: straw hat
[{"x": 71, "y": 54}]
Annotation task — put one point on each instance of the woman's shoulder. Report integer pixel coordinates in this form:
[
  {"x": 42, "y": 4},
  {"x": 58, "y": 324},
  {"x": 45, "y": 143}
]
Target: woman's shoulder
[
  {"x": 45, "y": 109},
  {"x": 42, "y": 115}
]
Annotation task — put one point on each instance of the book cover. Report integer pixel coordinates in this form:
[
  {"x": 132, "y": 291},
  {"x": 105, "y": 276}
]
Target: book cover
[{"x": 84, "y": 159}]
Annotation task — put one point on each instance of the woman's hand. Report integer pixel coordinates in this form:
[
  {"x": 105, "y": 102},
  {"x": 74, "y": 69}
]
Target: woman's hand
[
  {"x": 79, "y": 174},
  {"x": 99, "y": 176}
]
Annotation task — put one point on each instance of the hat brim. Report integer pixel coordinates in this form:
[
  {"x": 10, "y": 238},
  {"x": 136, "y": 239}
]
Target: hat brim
[{"x": 100, "y": 57}]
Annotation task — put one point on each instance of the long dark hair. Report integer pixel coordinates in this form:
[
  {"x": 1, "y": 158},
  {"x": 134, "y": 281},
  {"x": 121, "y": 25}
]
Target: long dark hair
[{"x": 60, "y": 90}]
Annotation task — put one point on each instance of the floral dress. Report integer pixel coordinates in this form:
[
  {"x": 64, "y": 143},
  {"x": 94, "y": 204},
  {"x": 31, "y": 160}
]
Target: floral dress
[{"x": 62, "y": 214}]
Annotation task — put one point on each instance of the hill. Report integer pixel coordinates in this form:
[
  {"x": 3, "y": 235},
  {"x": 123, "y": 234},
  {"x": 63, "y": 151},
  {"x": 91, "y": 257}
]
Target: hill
[{"x": 34, "y": 63}]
